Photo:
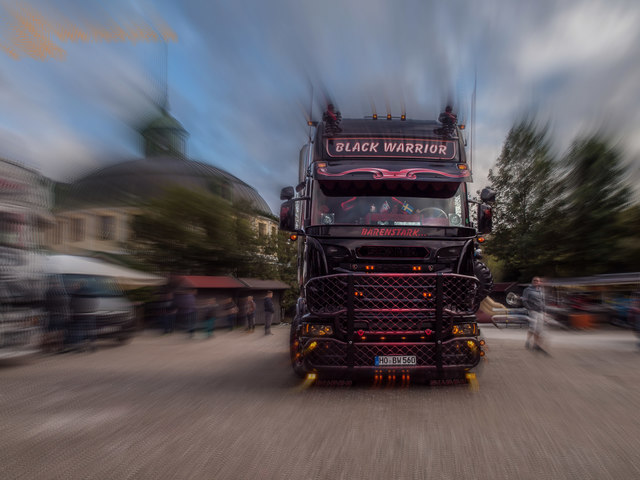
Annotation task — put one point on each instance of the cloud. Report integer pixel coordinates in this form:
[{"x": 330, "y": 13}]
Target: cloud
[{"x": 241, "y": 75}]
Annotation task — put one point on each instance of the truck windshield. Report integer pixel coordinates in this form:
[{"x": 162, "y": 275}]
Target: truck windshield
[{"x": 388, "y": 203}]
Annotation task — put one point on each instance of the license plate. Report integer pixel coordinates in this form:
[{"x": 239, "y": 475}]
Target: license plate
[{"x": 395, "y": 360}]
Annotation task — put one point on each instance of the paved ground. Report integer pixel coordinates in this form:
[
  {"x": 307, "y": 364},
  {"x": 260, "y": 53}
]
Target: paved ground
[{"x": 164, "y": 407}]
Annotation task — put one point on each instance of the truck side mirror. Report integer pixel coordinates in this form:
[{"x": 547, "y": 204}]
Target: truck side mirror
[
  {"x": 485, "y": 219},
  {"x": 487, "y": 195},
  {"x": 288, "y": 216},
  {"x": 287, "y": 193}
]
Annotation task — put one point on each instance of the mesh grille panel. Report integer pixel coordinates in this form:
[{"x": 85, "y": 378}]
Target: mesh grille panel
[
  {"x": 392, "y": 292},
  {"x": 394, "y": 321}
]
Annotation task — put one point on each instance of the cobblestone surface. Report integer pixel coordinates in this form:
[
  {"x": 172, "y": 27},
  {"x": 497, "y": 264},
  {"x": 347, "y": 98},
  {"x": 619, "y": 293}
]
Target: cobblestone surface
[{"x": 165, "y": 407}]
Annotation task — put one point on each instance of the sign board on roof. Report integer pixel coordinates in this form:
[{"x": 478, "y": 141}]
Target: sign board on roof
[{"x": 378, "y": 147}]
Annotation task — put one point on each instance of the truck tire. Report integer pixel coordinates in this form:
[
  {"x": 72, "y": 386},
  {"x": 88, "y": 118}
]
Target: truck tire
[
  {"x": 483, "y": 274},
  {"x": 295, "y": 350}
]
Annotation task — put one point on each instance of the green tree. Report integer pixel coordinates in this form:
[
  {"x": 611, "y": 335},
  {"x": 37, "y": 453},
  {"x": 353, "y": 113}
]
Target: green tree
[
  {"x": 193, "y": 232},
  {"x": 627, "y": 256},
  {"x": 525, "y": 203},
  {"x": 596, "y": 200}
]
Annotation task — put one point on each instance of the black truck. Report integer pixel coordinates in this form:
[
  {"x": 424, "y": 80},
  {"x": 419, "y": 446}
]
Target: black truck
[{"x": 387, "y": 265}]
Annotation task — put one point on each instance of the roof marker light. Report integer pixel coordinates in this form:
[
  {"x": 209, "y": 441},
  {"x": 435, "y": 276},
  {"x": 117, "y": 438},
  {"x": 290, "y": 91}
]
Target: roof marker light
[
  {"x": 375, "y": 116},
  {"x": 388, "y": 116}
]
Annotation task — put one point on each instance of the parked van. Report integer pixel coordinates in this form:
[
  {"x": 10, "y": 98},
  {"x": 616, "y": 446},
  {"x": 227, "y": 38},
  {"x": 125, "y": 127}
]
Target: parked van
[{"x": 114, "y": 313}]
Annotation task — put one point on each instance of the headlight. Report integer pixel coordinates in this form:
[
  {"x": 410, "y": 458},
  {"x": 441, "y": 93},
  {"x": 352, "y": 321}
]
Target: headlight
[
  {"x": 317, "y": 330},
  {"x": 465, "y": 329}
]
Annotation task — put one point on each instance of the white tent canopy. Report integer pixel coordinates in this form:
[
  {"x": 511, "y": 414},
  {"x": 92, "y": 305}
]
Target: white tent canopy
[{"x": 126, "y": 278}]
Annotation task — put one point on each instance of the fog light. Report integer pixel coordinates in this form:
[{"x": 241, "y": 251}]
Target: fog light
[
  {"x": 318, "y": 330},
  {"x": 465, "y": 329}
]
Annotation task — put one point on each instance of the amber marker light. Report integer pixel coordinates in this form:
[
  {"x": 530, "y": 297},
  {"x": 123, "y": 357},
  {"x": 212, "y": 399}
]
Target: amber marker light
[
  {"x": 481, "y": 239},
  {"x": 310, "y": 348},
  {"x": 293, "y": 237},
  {"x": 369, "y": 268},
  {"x": 462, "y": 166},
  {"x": 322, "y": 165},
  {"x": 388, "y": 116},
  {"x": 427, "y": 294},
  {"x": 462, "y": 126},
  {"x": 417, "y": 268},
  {"x": 403, "y": 117},
  {"x": 482, "y": 342}
]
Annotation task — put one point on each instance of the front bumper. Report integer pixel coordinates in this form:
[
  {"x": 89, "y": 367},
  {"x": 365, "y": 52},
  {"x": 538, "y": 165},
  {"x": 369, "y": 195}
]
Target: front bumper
[{"x": 334, "y": 358}]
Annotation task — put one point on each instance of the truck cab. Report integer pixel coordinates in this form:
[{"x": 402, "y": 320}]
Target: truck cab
[{"x": 387, "y": 263}]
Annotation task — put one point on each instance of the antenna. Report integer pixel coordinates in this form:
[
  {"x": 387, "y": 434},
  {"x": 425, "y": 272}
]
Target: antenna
[
  {"x": 310, "y": 121},
  {"x": 473, "y": 120}
]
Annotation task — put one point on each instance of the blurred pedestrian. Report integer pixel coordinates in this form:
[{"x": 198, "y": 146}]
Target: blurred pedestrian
[
  {"x": 58, "y": 310},
  {"x": 187, "y": 312},
  {"x": 268, "y": 312},
  {"x": 229, "y": 310},
  {"x": 243, "y": 311},
  {"x": 635, "y": 314},
  {"x": 533, "y": 300},
  {"x": 210, "y": 314},
  {"x": 83, "y": 312},
  {"x": 251, "y": 314},
  {"x": 167, "y": 311}
]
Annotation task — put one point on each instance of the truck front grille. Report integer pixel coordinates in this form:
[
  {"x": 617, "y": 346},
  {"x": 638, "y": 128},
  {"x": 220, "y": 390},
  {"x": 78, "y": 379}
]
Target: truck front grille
[{"x": 392, "y": 293}]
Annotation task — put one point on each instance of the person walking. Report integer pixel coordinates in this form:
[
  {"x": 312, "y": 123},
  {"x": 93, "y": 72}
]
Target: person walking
[
  {"x": 187, "y": 311},
  {"x": 210, "y": 315},
  {"x": 243, "y": 311},
  {"x": 83, "y": 305},
  {"x": 167, "y": 311},
  {"x": 58, "y": 308},
  {"x": 229, "y": 310},
  {"x": 251, "y": 314},
  {"x": 268, "y": 312},
  {"x": 533, "y": 300}
]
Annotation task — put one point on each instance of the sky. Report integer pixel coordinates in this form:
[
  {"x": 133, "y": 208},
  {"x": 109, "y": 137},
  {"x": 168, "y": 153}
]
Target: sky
[{"x": 243, "y": 76}]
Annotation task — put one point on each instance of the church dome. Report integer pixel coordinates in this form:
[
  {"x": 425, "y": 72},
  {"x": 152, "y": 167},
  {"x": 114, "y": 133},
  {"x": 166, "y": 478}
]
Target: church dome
[
  {"x": 165, "y": 164},
  {"x": 128, "y": 183}
]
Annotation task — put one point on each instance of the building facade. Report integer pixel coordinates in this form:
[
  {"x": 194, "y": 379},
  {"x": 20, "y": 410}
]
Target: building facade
[{"x": 95, "y": 212}]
